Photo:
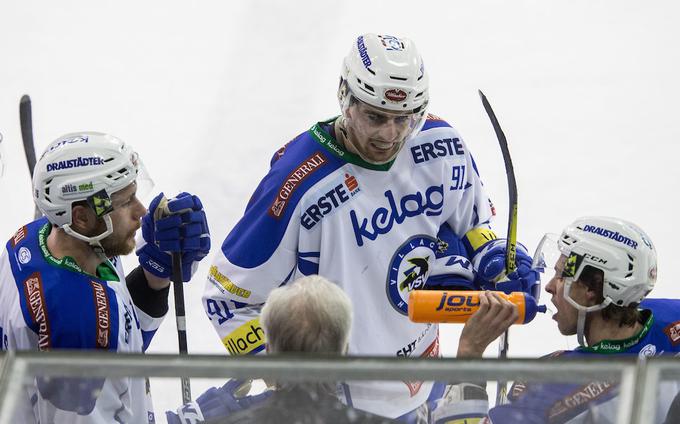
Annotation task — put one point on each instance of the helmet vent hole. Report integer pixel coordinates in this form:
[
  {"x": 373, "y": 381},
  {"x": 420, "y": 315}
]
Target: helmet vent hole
[
  {"x": 369, "y": 88},
  {"x": 419, "y": 94},
  {"x": 47, "y": 191},
  {"x": 370, "y": 70},
  {"x": 60, "y": 213},
  {"x": 398, "y": 78},
  {"x": 108, "y": 160},
  {"x": 630, "y": 274},
  {"x": 630, "y": 266}
]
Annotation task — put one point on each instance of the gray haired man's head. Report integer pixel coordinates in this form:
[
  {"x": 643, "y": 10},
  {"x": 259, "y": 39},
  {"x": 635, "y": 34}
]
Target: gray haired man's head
[{"x": 310, "y": 315}]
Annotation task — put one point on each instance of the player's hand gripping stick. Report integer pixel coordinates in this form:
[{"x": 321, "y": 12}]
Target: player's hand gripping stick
[{"x": 457, "y": 305}]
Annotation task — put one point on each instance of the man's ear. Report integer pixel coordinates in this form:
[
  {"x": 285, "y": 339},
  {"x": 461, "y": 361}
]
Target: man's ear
[
  {"x": 82, "y": 218},
  {"x": 592, "y": 296}
]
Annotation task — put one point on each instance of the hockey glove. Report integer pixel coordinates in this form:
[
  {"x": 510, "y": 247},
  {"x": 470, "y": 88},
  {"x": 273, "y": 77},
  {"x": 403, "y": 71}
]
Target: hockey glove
[
  {"x": 215, "y": 403},
  {"x": 489, "y": 262},
  {"x": 452, "y": 269},
  {"x": 175, "y": 225}
]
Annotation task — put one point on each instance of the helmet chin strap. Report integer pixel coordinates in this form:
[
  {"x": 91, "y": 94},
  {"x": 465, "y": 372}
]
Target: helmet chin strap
[
  {"x": 93, "y": 241},
  {"x": 582, "y": 311}
]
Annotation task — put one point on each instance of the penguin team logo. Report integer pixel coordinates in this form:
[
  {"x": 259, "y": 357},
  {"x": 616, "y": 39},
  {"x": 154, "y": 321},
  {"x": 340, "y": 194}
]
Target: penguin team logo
[{"x": 409, "y": 269}]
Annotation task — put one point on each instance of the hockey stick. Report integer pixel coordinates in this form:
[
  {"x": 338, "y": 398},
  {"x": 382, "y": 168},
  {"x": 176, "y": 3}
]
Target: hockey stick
[
  {"x": 26, "y": 120},
  {"x": 178, "y": 291},
  {"x": 511, "y": 243},
  {"x": 180, "y": 317}
]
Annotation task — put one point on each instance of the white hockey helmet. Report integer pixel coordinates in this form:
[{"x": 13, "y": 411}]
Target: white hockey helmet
[
  {"x": 386, "y": 72},
  {"x": 620, "y": 249},
  {"x": 84, "y": 166}
]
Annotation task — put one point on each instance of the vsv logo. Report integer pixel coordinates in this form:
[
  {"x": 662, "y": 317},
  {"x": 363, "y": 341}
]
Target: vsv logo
[{"x": 430, "y": 203}]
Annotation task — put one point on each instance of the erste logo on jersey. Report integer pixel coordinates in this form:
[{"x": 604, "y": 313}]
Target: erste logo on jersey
[
  {"x": 293, "y": 181},
  {"x": 439, "y": 148},
  {"x": 429, "y": 203},
  {"x": 409, "y": 269},
  {"x": 334, "y": 196}
]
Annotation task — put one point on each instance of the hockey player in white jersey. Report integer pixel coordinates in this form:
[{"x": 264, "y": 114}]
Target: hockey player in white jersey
[
  {"x": 62, "y": 285},
  {"x": 363, "y": 199}
]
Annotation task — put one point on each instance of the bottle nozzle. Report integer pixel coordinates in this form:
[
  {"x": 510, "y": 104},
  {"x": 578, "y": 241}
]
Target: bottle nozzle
[{"x": 542, "y": 309}]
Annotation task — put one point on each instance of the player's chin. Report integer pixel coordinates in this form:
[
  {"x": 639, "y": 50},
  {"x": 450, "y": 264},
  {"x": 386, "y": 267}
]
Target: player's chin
[{"x": 377, "y": 154}]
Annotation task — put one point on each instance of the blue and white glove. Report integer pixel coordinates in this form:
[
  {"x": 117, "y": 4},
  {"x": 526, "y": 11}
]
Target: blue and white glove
[
  {"x": 489, "y": 262},
  {"x": 175, "y": 225},
  {"x": 215, "y": 403},
  {"x": 452, "y": 270}
]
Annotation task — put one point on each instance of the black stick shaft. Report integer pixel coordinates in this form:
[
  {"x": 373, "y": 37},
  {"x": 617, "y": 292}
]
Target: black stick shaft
[
  {"x": 511, "y": 243},
  {"x": 180, "y": 317},
  {"x": 26, "y": 121}
]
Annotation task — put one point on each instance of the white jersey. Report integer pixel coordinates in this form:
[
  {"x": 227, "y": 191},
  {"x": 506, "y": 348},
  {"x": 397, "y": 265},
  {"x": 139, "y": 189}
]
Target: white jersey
[
  {"x": 50, "y": 304},
  {"x": 370, "y": 229}
]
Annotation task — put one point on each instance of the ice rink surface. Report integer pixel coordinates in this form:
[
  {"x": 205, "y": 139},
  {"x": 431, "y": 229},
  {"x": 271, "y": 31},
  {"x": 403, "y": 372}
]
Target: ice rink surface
[{"x": 586, "y": 91}]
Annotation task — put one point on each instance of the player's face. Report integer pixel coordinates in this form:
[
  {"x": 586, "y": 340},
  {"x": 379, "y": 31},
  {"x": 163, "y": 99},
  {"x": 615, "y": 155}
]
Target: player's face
[
  {"x": 566, "y": 315},
  {"x": 126, "y": 220},
  {"x": 374, "y": 134}
]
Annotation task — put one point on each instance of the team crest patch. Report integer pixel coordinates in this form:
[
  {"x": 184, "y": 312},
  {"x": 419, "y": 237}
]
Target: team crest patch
[
  {"x": 293, "y": 181},
  {"x": 673, "y": 332},
  {"x": 409, "y": 269}
]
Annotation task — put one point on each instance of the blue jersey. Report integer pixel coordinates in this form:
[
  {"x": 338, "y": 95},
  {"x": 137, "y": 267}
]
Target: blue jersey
[
  {"x": 50, "y": 303},
  {"x": 578, "y": 403}
]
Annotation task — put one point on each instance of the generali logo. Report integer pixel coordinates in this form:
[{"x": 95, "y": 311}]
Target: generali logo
[
  {"x": 35, "y": 299},
  {"x": 293, "y": 181},
  {"x": 673, "y": 332},
  {"x": 395, "y": 95},
  {"x": 18, "y": 236},
  {"x": 103, "y": 320}
]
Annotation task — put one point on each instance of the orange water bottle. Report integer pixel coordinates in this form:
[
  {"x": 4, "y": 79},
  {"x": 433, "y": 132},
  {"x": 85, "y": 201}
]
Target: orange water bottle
[{"x": 459, "y": 305}]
